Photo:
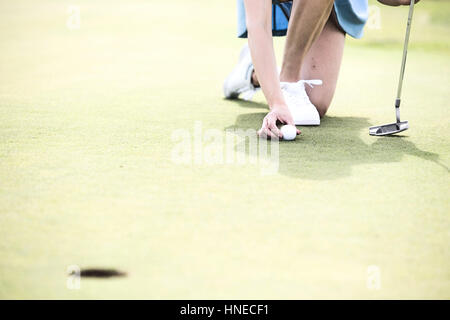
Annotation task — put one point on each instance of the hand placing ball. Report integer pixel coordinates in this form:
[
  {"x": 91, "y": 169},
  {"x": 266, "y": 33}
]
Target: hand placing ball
[{"x": 289, "y": 132}]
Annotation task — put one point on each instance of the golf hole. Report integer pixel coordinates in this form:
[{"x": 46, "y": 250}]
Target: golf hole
[{"x": 101, "y": 273}]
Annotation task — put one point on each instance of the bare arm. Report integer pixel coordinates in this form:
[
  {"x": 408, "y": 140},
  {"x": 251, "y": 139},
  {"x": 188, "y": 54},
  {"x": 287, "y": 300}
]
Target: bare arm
[
  {"x": 259, "y": 26},
  {"x": 395, "y": 3}
]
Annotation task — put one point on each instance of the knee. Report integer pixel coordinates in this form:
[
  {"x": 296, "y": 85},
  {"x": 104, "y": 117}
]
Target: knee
[
  {"x": 321, "y": 99},
  {"x": 322, "y": 107}
]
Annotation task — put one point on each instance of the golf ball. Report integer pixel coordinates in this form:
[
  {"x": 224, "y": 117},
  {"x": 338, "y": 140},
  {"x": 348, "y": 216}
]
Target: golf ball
[{"x": 289, "y": 132}]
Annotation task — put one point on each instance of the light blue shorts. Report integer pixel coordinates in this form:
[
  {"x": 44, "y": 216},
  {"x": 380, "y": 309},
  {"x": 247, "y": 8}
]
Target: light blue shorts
[{"x": 351, "y": 16}]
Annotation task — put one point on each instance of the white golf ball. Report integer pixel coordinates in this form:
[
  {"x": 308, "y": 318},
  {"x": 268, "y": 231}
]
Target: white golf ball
[{"x": 289, "y": 132}]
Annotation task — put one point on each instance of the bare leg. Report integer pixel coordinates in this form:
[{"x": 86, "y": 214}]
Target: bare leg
[
  {"x": 323, "y": 61},
  {"x": 307, "y": 20}
]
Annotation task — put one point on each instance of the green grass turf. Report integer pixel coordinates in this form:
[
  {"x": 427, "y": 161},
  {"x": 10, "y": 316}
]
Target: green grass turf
[{"x": 86, "y": 176}]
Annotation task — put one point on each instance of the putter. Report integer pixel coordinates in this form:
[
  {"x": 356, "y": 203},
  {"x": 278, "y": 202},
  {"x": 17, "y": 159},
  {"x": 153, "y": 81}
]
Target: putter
[{"x": 399, "y": 126}]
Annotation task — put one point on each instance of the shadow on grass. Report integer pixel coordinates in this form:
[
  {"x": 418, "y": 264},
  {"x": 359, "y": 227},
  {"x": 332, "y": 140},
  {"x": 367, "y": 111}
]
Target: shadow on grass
[
  {"x": 332, "y": 149},
  {"x": 248, "y": 104}
]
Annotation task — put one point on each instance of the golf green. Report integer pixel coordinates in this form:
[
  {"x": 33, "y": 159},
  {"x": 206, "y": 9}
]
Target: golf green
[{"x": 87, "y": 177}]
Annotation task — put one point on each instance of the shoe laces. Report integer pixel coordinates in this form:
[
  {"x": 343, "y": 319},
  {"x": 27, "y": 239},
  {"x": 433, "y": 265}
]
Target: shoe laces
[{"x": 296, "y": 90}]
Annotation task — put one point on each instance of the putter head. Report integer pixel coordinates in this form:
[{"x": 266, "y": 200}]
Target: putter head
[{"x": 388, "y": 129}]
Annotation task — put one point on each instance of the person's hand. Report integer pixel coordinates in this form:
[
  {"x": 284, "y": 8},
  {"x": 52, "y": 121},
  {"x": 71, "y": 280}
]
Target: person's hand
[
  {"x": 395, "y": 3},
  {"x": 269, "y": 127}
]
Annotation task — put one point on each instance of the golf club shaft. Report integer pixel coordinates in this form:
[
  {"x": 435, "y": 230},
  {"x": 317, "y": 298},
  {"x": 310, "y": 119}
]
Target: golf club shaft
[{"x": 405, "y": 54}]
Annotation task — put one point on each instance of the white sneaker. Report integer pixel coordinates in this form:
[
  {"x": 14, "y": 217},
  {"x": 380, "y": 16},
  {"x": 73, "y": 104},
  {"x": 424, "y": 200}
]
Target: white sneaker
[
  {"x": 239, "y": 82},
  {"x": 302, "y": 110}
]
